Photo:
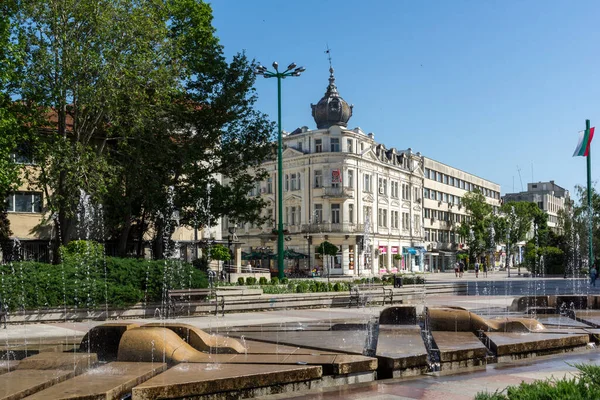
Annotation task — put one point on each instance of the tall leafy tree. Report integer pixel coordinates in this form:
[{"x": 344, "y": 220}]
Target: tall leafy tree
[
  {"x": 193, "y": 158},
  {"x": 85, "y": 62},
  {"x": 476, "y": 229}
]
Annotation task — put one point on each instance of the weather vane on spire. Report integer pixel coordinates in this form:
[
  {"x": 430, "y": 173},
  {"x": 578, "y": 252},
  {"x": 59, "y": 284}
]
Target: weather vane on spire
[{"x": 328, "y": 52}]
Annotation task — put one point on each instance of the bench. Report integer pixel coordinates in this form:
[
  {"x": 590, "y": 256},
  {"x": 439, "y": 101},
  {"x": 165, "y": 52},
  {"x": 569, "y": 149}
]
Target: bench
[
  {"x": 359, "y": 294},
  {"x": 179, "y": 298}
]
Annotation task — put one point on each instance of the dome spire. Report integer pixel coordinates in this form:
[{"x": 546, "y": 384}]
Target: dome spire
[{"x": 331, "y": 109}]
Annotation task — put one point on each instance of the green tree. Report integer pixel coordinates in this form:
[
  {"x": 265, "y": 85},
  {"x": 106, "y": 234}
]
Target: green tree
[
  {"x": 476, "y": 229},
  {"x": 85, "y": 62}
]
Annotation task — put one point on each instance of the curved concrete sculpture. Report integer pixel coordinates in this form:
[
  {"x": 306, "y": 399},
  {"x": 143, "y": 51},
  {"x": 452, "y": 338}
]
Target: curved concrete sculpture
[
  {"x": 201, "y": 340},
  {"x": 461, "y": 320},
  {"x": 104, "y": 339},
  {"x": 154, "y": 344}
]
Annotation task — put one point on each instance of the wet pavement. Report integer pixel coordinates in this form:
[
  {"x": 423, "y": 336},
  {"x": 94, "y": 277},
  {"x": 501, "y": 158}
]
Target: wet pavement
[{"x": 463, "y": 386}]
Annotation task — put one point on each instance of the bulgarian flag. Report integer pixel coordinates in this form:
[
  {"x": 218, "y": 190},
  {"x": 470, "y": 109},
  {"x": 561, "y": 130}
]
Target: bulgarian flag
[{"x": 583, "y": 147}]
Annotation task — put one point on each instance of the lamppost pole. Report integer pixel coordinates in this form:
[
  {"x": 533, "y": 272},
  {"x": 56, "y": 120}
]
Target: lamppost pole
[{"x": 291, "y": 70}]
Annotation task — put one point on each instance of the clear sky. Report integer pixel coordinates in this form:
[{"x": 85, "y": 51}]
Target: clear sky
[{"x": 484, "y": 86}]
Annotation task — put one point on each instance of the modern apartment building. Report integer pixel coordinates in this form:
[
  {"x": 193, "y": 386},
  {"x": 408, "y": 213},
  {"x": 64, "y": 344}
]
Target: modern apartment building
[
  {"x": 549, "y": 197},
  {"x": 444, "y": 187}
]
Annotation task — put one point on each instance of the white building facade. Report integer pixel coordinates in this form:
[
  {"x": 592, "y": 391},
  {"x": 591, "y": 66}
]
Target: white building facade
[{"x": 343, "y": 187}]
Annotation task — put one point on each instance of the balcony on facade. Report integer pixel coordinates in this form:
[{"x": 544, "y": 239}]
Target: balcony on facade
[
  {"x": 338, "y": 192},
  {"x": 443, "y": 246},
  {"x": 326, "y": 227}
]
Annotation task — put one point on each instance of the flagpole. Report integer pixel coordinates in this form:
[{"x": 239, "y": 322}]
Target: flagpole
[{"x": 589, "y": 195}]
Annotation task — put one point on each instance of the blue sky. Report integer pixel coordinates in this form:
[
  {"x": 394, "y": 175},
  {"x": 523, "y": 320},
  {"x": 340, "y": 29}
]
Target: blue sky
[{"x": 484, "y": 86}]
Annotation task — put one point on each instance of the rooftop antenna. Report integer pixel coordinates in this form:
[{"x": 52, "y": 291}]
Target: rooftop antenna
[{"x": 521, "y": 179}]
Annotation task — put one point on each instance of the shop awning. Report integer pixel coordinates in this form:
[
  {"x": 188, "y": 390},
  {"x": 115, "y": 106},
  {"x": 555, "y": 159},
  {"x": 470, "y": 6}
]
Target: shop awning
[
  {"x": 421, "y": 249},
  {"x": 409, "y": 250}
]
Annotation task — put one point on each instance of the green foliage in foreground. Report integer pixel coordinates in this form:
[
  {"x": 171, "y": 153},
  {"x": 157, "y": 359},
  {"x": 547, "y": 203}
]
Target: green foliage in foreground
[
  {"x": 584, "y": 387},
  {"x": 93, "y": 284}
]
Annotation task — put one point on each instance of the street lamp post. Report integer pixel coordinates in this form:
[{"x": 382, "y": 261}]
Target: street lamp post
[{"x": 291, "y": 70}]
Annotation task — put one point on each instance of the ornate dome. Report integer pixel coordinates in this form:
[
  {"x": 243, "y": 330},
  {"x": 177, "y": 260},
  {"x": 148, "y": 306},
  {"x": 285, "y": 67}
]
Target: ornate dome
[{"x": 331, "y": 109}]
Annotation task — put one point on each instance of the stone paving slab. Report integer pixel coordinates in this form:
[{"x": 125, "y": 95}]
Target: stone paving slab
[
  {"x": 203, "y": 379},
  {"x": 556, "y": 320},
  {"x": 77, "y": 362},
  {"x": 589, "y": 317},
  {"x": 458, "y": 346},
  {"x": 334, "y": 341},
  {"x": 254, "y": 347},
  {"x": 332, "y": 364},
  {"x": 7, "y": 366},
  {"x": 111, "y": 382},
  {"x": 21, "y": 383},
  {"x": 401, "y": 348},
  {"x": 506, "y": 343}
]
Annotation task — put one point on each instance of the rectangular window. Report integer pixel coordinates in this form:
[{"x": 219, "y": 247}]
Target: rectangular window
[
  {"x": 299, "y": 146},
  {"x": 350, "y": 178},
  {"x": 287, "y": 182},
  {"x": 382, "y": 186},
  {"x": 318, "y": 145},
  {"x": 427, "y": 213},
  {"x": 417, "y": 194},
  {"x": 395, "y": 219},
  {"x": 445, "y": 179},
  {"x": 368, "y": 213},
  {"x": 438, "y": 177},
  {"x": 318, "y": 213},
  {"x": 318, "y": 178},
  {"x": 367, "y": 187},
  {"x": 335, "y": 213},
  {"x": 417, "y": 223},
  {"x": 350, "y": 145},
  {"x": 269, "y": 185},
  {"x": 25, "y": 202},
  {"x": 351, "y": 213},
  {"x": 334, "y": 145},
  {"x": 427, "y": 235},
  {"x": 405, "y": 221},
  {"x": 427, "y": 173},
  {"x": 293, "y": 184}
]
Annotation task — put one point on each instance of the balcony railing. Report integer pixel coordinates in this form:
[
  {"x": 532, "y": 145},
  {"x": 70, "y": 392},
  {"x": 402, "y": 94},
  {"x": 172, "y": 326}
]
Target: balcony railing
[
  {"x": 329, "y": 227},
  {"x": 338, "y": 192}
]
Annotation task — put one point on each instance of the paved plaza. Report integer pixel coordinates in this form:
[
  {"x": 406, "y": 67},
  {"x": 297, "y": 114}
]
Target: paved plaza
[{"x": 463, "y": 385}]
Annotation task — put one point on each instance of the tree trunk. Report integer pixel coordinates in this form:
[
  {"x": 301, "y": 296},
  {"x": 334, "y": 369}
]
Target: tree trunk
[
  {"x": 124, "y": 236},
  {"x": 158, "y": 244}
]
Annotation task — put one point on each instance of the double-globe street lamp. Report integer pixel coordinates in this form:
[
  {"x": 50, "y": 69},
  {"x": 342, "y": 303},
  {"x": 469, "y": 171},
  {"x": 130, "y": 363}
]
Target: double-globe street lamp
[{"x": 291, "y": 70}]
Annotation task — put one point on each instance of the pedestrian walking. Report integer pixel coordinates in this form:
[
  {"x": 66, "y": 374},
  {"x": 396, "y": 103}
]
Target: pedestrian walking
[
  {"x": 461, "y": 269},
  {"x": 485, "y": 268},
  {"x": 593, "y": 275},
  {"x": 456, "y": 266},
  {"x": 476, "y": 269}
]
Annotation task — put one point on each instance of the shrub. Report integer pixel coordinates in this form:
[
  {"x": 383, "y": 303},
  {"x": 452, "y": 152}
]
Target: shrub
[
  {"x": 241, "y": 281},
  {"x": 302, "y": 287},
  {"x": 284, "y": 281},
  {"x": 337, "y": 287},
  {"x": 274, "y": 280},
  {"x": 291, "y": 286},
  {"x": 250, "y": 281},
  {"x": 262, "y": 281},
  {"x": 586, "y": 386},
  {"x": 106, "y": 281}
]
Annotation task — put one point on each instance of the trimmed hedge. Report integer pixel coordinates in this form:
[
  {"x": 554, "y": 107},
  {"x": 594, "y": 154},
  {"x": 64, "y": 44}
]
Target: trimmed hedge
[{"x": 94, "y": 284}]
